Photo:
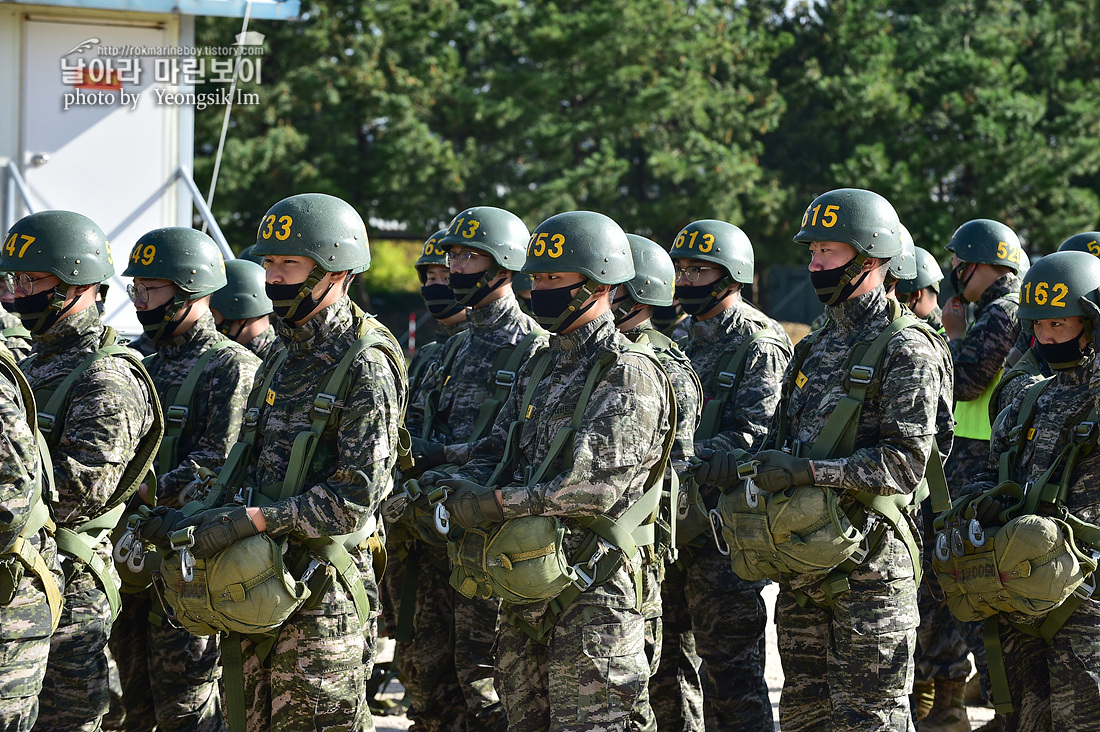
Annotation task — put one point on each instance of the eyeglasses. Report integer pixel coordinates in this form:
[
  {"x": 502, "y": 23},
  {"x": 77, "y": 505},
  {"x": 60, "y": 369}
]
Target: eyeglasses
[
  {"x": 691, "y": 274},
  {"x": 463, "y": 258},
  {"x": 23, "y": 281},
  {"x": 139, "y": 293}
]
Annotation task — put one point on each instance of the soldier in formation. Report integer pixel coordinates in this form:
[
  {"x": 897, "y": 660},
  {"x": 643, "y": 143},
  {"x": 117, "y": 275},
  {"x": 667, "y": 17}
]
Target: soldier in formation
[{"x": 242, "y": 309}]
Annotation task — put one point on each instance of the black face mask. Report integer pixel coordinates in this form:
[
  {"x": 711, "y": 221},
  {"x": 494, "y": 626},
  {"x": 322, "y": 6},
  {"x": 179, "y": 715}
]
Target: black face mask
[
  {"x": 290, "y": 303},
  {"x": 157, "y": 322},
  {"x": 958, "y": 285},
  {"x": 826, "y": 281},
  {"x": 440, "y": 301},
  {"x": 622, "y": 307},
  {"x": 695, "y": 299},
  {"x": 465, "y": 289},
  {"x": 550, "y": 305},
  {"x": 35, "y": 312},
  {"x": 664, "y": 316},
  {"x": 1064, "y": 356}
]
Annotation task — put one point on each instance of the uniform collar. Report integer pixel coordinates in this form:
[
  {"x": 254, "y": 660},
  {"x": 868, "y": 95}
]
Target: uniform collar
[
  {"x": 324, "y": 327},
  {"x": 1006, "y": 285},
  {"x": 855, "y": 312},
  {"x": 488, "y": 316},
  {"x": 84, "y": 328},
  {"x": 581, "y": 343},
  {"x": 454, "y": 328},
  {"x": 201, "y": 335},
  {"x": 711, "y": 329}
]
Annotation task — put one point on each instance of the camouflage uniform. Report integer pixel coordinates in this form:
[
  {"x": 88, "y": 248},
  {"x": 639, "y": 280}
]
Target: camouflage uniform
[
  {"x": 850, "y": 668},
  {"x": 169, "y": 677},
  {"x": 453, "y": 642},
  {"x": 1056, "y": 686},
  {"x": 25, "y": 620},
  {"x": 945, "y": 643},
  {"x": 935, "y": 319},
  {"x": 263, "y": 344},
  {"x": 708, "y": 608},
  {"x": 594, "y": 668},
  {"x": 316, "y": 673},
  {"x": 689, "y": 399},
  {"x": 109, "y": 411},
  {"x": 17, "y": 343}
]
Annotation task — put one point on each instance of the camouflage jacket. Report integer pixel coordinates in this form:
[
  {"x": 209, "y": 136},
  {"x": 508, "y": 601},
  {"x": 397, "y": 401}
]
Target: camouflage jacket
[
  {"x": 1065, "y": 403},
  {"x": 352, "y": 468},
  {"x": 263, "y": 344},
  {"x": 28, "y": 614},
  {"x": 19, "y": 345},
  {"x": 217, "y": 404},
  {"x": 980, "y": 355},
  {"x": 108, "y": 413},
  {"x": 620, "y": 438},
  {"x": 748, "y": 412},
  {"x": 425, "y": 361},
  {"x": 470, "y": 380},
  {"x": 689, "y": 395},
  {"x": 901, "y": 420},
  {"x": 935, "y": 319}
]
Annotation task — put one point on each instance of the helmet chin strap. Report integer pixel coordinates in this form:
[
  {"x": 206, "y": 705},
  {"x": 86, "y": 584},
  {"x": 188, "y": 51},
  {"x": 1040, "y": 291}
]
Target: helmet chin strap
[
  {"x": 483, "y": 282},
  {"x": 854, "y": 268},
  {"x": 586, "y": 291},
  {"x": 168, "y": 326},
  {"x": 305, "y": 291}
]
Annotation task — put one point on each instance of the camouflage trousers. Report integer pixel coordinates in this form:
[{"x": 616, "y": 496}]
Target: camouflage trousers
[
  {"x": 642, "y": 719},
  {"x": 390, "y": 590},
  {"x": 1055, "y": 687},
  {"x": 714, "y": 622},
  {"x": 75, "y": 693},
  {"x": 452, "y": 651},
  {"x": 850, "y": 669},
  {"x": 315, "y": 675},
  {"x": 587, "y": 679},
  {"x": 24, "y": 651},
  {"x": 169, "y": 677}
]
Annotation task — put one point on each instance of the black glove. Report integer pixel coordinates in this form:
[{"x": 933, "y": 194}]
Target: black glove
[
  {"x": 988, "y": 510},
  {"x": 159, "y": 523},
  {"x": 432, "y": 478},
  {"x": 217, "y": 529},
  {"x": 779, "y": 471},
  {"x": 720, "y": 468},
  {"x": 1092, "y": 312},
  {"x": 427, "y": 454},
  {"x": 472, "y": 504}
]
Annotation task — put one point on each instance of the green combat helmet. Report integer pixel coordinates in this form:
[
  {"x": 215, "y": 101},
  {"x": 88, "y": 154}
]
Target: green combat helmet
[
  {"x": 584, "y": 242},
  {"x": 720, "y": 243},
  {"x": 323, "y": 228},
  {"x": 248, "y": 254},
  {"x": 432, "y": 253},
  {"x": 903, "y": 267},
  {"x": 1052, "y": 289},
  {"x": 244, "y": 295},
  {"x": 654, "y": 277},
  {"x": 928, "y": 274},
  {"x": 984, "y": 241},
  {"x": 66, "y": 244},
  {"x": 187, "y": 258},
  {"x": 863, "y": 219},
  {"x": 499, "y": 233},
  {"x": 1086, "y": 241}
]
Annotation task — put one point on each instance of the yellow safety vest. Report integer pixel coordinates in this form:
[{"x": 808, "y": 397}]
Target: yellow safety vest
[{"x": 972, "y": 416}]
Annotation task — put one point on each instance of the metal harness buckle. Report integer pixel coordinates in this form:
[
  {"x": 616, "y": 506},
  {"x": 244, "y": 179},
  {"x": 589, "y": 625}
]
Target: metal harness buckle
[
  {"x": 187, "y": 559},
  {"x": 176, "y": 415},
  {"x": 505, "y": 378},
  {"x": 324, "y": 403},
  {"x": 725, "y": 380},
  {"x": 46, "y": 423},
  {"x": 860, "y": 374},
  {"x": 716, "y": 526}
]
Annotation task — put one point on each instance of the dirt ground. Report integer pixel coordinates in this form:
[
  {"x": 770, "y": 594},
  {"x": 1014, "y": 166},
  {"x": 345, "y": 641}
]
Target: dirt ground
[{"x": 773, "y": 673}]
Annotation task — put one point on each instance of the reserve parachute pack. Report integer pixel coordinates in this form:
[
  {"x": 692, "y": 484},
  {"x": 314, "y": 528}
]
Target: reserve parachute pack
[
  {"x": 255, "y": 585},
  {"x": 22, "y": 556},
  {"x": 79, "y": 544},
  {"x": 803, "y": 530},
  {"x": 1039, "y": 561},
  {"x": 523, "y": 560}
]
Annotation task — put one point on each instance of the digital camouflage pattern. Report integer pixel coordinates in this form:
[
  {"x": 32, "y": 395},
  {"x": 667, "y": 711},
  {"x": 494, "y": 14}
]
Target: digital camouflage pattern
[
  {"x": 169, "y": 677},
  {"x": 18, "y": 338},
  {"x": 852, "y": 668},
  {"x": 109, "y": 411},
  {"x": 25, "y": 620},
  {"x": 594, "y": 669},
  {"x": 748, "y": 412},
  {"x": 317, "y": 671},
  {"x": 689, "y": 398},
  {"x": 1054, "y": 687},
  {"x": 453, "y": 645},
  {"x": 263, "y": 344},
  {"x": 702, "y": 595},
  {"x": 470, "y": 380},
  {"x": 935, "y": 319},
  {"x": 980, "y": 355}
]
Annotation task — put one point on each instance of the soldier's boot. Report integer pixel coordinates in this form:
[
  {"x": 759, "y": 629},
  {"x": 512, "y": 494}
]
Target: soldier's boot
[
  {"x": 924, "y": 692},
  {"x": 948, "y": 709}
]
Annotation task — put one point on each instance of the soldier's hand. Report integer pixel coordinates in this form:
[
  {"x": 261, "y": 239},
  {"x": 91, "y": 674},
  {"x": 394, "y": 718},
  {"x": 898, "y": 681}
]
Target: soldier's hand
[
  {"x": 1092, "y": 312},
  {"x": 472, "y": 504},
  {"x": 432, "y": 478},
  {"x": 954, "y": 318},
  {"x": 216, "y": 530},
  {"x": 159, "y": 524},
  {"x": 718, "y": 469},
  {"x": 779, "y": 471},
  {"x": 427, "y": 454},
  {"x": 988, "y": 510}
]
